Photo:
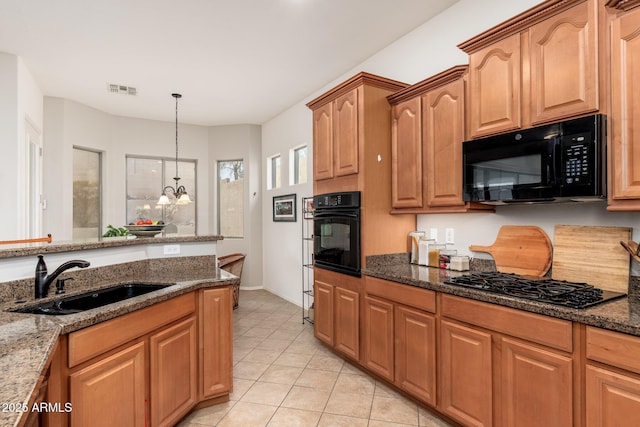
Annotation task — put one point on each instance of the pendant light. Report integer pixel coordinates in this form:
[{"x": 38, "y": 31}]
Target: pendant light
[{"x": 179, "y": 192}]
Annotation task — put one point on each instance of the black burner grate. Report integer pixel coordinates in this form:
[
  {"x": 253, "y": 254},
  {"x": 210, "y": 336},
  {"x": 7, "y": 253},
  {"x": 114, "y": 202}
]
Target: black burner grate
[{"x": 558, "y": 292}]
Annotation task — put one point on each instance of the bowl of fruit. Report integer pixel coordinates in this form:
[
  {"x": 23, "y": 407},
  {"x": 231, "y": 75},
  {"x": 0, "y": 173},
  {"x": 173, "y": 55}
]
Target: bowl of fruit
[{"x": 145, "y": 228}]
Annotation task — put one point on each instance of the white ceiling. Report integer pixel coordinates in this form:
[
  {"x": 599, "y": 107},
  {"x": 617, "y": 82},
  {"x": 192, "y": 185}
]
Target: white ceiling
[{"x": 234, "y": 61}]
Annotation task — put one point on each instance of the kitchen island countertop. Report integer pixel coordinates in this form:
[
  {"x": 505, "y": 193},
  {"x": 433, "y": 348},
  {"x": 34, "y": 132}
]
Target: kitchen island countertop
[
  {"x": 27, "y": 340},
  {"x": 619, "y": 315}
]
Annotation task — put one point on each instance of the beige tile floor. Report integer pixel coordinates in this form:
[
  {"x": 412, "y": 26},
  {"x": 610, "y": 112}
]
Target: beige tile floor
[{"x": 284, "y": 377}]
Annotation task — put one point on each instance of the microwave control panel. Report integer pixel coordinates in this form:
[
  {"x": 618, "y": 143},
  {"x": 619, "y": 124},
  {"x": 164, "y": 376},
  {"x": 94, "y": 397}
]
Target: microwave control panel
[{"x": 577, "y": 163}]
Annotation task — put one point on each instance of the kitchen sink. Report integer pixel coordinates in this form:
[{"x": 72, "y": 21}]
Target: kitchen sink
[{"x": 93, "y": 299}]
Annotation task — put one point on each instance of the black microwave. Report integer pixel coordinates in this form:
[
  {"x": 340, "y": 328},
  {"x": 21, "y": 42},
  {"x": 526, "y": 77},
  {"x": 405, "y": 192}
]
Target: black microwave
[{"x": 564, "y": 161}]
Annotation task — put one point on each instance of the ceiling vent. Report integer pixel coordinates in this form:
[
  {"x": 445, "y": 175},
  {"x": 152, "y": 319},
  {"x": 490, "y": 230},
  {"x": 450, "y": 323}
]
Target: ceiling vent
[{"x": 125, "y": 90}]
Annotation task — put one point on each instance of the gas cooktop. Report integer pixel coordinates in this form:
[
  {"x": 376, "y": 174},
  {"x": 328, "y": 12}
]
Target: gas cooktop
[{"x": 557, "y": 292}]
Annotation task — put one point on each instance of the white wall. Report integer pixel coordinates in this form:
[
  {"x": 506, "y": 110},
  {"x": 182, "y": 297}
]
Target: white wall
[
  {"x": 282, "y": 244},
  {"x": 68, "y": 123},
  {"x": 9, "y": 142},
  {"x": 21, "y": 100}
]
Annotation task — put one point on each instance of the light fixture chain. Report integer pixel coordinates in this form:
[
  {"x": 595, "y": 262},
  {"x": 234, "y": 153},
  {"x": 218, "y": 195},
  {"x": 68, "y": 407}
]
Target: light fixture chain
[{"x": 177, "y": 176}]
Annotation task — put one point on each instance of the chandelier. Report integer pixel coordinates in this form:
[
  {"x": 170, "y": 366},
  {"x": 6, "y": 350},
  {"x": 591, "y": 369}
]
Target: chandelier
[{"x": 179, "y": 192}]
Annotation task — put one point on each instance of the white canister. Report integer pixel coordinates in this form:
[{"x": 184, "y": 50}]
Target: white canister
[{"x": 459, "y": 263}]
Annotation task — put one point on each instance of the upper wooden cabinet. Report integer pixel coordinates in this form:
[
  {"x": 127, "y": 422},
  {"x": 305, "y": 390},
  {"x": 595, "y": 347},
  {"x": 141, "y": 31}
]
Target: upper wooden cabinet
[
  {"x": 538, "y": 67},
  {"x": 323, "y": 142},
  {"x": 406, "y": 152},
  {"x": 335, "y": 135},
  {"x": 624, "y": 146},
  {"x": 427, "y": 130},
  {"x": 563, "y": 64},
  {"x": 495, "y": 87},
  {"x": 348, "y": 121}
]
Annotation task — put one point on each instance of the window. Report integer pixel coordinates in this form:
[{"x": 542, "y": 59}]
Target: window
[
  {"x": 87, "y": 217},
  {"x": 273, "y": 172},
  {"x": 231, "y": 198},
  {"x": 146, "y": 177},
  {"x": 298, "y": 165}
]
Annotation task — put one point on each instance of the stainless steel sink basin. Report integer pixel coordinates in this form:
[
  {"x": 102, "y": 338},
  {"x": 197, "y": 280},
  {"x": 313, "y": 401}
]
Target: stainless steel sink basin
[{"x": 93, "y": 299}]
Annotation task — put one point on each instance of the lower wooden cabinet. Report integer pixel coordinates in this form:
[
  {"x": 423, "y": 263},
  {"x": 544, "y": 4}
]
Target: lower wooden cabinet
[
  {"x": 149, "y": 367},
  {"x": 378, "y": 337},
  {"x": 173, "y": 367},
  {"x": 337, "y": 311},
  {"x": 400, "y": 340},
  {"x": 415, "y": 337},
  {"x": 537, "y": 386},
  {"x": 612, "y": 379},
  {"x": 501, "y": 366},
  {"x": 612, "y": 398},
  {"x": 216, "y": 342},
  {"x": 323, "y": 314},
  {"x": 466, "y": 374},
  {"x": 347, "y": 322},
  {"x": 111, "y": 391},
  {"x": 482, "y": 364}
]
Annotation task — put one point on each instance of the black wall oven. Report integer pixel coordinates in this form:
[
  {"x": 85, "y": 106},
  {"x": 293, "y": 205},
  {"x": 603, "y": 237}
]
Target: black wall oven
[{"x": 336, "y": 232}]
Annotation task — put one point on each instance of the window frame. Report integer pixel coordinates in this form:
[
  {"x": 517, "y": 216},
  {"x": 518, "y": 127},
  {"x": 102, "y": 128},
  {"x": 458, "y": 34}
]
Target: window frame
[
  {"x": 163, "y": 177},
  {"x": 218, "y": 198}
]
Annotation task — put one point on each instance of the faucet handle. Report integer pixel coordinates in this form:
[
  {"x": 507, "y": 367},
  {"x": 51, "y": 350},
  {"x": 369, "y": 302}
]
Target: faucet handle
[{"x": 60, "y": 285}]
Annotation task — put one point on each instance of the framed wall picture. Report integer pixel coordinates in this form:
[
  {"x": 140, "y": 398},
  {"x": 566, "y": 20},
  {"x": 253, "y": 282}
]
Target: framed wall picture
[{"x": 284, "y": 208}]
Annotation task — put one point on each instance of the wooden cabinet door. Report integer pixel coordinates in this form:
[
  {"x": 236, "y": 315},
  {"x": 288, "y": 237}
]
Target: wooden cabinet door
[
  {"x": 111, "y": 391},
  {"x": 347, "y": 322},
  {"x": 323, "y": 321},
  {"x": 564, "y": 64},
  {"x": 415, "y": 343},
  {"x": 495, "y": 87},
  {"x": 323, "y": 142},
  {"x": 466, "y": 374},
  {"x": 378, "y": 337},
  {"x": 216, "y": 342},
  {"x": 625, "y": 107},
  {"x": 443, "y": 118},
  {"x": 537, "y": 386},
  {"x": 173, "y": 372},
  {"x": 613, "y": 399},
  {"x": 406, "y": 155},
  {"x": 345, "y": 133}
]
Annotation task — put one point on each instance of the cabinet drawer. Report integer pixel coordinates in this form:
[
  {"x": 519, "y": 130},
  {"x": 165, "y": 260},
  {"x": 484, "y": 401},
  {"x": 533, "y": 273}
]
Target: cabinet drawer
[
  {"x": 423, "y": 299},
  {"x": 548, "y": 331},
  {"x": 613, "y": 348},
  {"x": 95, "y": 340}
]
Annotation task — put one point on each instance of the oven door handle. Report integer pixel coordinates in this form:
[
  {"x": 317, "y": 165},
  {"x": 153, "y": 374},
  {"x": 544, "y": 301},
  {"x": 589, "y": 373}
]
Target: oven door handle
[{"x": 335, "y": 214}]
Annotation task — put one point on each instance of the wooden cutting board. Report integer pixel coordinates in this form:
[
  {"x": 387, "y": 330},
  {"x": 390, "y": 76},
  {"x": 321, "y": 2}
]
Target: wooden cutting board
[
  {"x": 520, "y": 249},
  {"x": 592, "y": 254}
]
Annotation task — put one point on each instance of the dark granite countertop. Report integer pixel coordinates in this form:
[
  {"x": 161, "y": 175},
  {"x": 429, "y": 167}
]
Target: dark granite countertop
[
  {"x": 620, "y": 315},
  {"x": 26, "y": 340},
  {"x": 27, "y": 249}
]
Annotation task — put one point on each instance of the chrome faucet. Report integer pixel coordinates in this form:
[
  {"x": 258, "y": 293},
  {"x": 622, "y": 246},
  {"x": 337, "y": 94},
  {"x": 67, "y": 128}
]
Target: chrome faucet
[{"x": 43, "y": 281}]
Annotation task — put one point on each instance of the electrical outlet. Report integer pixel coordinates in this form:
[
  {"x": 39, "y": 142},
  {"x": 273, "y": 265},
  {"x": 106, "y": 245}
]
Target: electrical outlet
[
  {"x": 449, "y": 235},
  {"x": 433, "y": 234},
  {"x": 171, "y": 249}
]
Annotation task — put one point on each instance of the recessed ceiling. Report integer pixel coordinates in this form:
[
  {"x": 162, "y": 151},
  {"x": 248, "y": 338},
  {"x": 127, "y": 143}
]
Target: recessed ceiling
[{"x": 234, "y": 61}]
